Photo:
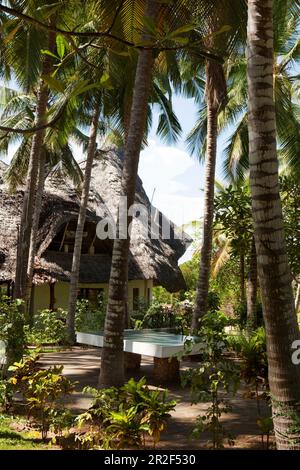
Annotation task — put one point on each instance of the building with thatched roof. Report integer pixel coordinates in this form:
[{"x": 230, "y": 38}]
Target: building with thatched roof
[{"x": 151, "y": 262}]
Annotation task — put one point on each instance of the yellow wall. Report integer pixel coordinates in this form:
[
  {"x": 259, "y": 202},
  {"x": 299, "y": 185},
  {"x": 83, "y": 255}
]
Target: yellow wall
[
  {"x": 143, "y": 286},
  {"x": 42, "y": 293}
]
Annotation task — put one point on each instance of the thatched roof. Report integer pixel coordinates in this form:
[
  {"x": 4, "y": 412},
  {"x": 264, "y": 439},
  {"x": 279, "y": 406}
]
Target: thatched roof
[{"x": 149, "y": 259}]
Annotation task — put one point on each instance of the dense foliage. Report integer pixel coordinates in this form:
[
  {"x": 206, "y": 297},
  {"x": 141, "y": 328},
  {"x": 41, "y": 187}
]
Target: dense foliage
[{"x": 122, "y": 418}]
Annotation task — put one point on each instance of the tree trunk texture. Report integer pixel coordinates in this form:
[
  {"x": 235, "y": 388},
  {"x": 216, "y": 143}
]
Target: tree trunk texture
[
  {"x": 242, "y": 279},
  {"x": 297, "y": 300},
  {"x": 273, "y": 270},
  {"x": 214, "y": 95},
  {"x": 31, "y": 180},
  {"x": 70, "y": 324},
  {"x": 35, "y": 227},
  {"x": 112, "y": 360},
  {"x": 29, "y": 196},
  {"x": 252, "y": 288}
]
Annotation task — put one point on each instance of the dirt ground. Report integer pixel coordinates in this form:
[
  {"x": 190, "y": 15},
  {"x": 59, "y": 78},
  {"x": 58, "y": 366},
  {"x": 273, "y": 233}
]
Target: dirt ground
[{"x": 82, "y": 365}]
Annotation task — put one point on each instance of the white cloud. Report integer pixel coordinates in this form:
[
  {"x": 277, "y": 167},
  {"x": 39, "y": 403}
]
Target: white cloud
[
  {"x": 159, "y": 163},
  {"x": 162, "y": 168}
]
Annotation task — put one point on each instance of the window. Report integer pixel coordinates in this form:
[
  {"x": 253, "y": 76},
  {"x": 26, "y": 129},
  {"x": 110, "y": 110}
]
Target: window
[{"x": 135, "y": 298}]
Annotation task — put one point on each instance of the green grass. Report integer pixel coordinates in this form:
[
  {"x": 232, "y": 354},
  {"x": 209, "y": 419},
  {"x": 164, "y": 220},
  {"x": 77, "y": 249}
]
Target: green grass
[{"x": 15, "y": 440}]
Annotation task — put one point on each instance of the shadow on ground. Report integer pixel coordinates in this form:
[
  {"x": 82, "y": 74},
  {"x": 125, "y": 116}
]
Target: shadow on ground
[{"x": 82, "y": 365}]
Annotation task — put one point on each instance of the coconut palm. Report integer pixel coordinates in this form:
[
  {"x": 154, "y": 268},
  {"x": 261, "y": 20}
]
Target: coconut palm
[
  {"x": 230, "y": 17},
  {"x": 70, "y": 330},
  {"x": 22, "y": 52},
  {"x": 112, "y": 360},
  {"x": 215, "y": 96},
  {"x": 30, "y": 54},
  {"x": 235, "y": 115},
  {"x": 235, "y": 112},
  {"x": 273, "y": 269},
  {"x": 56, "y": 156}
]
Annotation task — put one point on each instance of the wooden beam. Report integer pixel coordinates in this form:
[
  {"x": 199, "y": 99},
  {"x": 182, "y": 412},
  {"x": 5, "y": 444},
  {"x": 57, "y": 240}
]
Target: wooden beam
[{"x": 64, "y": 236}]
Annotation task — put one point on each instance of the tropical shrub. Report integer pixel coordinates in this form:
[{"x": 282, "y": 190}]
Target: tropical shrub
[
  {"x": 42, "y": 390},
  {"x": 48, "y": 327},
  {"x": 176, "y": 316},
  {"x": 123, "y": 417},
  {"x": 213, "y": 301},
  {"x": 214, "y": 374},
  {"x": 162, "y": 296},
  {"x": 12, "y": 328},
  {"x": 159, "y": 316},
  {"x": 251, "y": 348},
  {"x": 88, "y": 318},
  {"x": 6, "y": 394}
]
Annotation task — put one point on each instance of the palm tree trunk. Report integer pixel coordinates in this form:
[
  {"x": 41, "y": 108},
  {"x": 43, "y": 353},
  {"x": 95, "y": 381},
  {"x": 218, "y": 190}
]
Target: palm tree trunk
[
  {"x": 242, "y": 279},
  {"x": 112, "y": 361},
  {"x": 29, "y": 196},
  {"x": 273, "y": 270},
  {"x": 252, "y": 288},
  {"x": 70, "y": 325},
  {"x": 297, "y": 300},
  {"x": 31, "y": 181},
  {"x": 35, "y": 226},
  {"x": 205, "y": 257},
  {"x": 215, "y": 94}
]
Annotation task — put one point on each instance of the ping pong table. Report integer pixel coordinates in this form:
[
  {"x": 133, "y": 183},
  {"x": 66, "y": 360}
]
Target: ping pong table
[{"x": 161, "y": 345}]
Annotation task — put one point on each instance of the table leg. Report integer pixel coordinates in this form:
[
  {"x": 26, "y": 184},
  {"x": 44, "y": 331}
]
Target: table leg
[
  {"x": 132, "y": 361},
  {"x": 166, "y": 369}
]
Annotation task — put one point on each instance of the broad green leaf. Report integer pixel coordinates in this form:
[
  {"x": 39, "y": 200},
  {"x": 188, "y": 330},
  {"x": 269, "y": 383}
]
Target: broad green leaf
[
  {"x": 60, "y": 45},
  {"x": 46, "y": 52},
  {"x": 183, "y": 29},
  {"x": 53, "y": 83},
  {"x": 83, "y": 87}
]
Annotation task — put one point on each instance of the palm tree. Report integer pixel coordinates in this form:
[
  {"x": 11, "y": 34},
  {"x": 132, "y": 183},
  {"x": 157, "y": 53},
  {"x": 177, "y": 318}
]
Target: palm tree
[
  {"x": 215, "y": 96},
  {"x": 235, "y": 114},
  {"x": 112, "y": 360},
  {"x": 80, "y": 224},
  {"x": 252, "y": 287},
  {"x": 29, "y": 52},
  {"x": 56, "y": 156},
  {"x": 31, "y": 183},
  {"x": 273, "y": 269},
  {"x": 22, "y": 53}
]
